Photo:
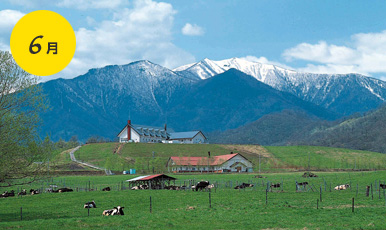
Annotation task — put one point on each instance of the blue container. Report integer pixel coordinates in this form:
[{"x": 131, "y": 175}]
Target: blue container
[{"x": 132, "y": 171}]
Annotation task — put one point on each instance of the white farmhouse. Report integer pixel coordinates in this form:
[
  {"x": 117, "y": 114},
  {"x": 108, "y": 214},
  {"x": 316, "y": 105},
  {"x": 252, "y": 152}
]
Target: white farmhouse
[
  {"x": 137, "y": 133},
  {"x": 192, "y": 137},
  {"x": 131, "y": 133},
  {"x": 234, "y": 162}
]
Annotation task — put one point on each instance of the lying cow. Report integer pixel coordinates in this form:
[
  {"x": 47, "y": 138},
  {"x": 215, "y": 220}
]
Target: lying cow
[
  {"x": 34, "y": 192},
  {"x": 201, "y": 185},
  {"x": 172, "y": 187},
  {"x": 342, "y": 187},
  {"x": 106, "y": 189},
  {"x": 275, "y": 185},
  {"x": 382, "y": 186},
  {"x": 22, "y": 193},
  {"x": 303, "y": 183},
  {"x": 90, "y": 204},
  {"x": 65, "y": 190},
  {"x": 139, "y": 187},
  {"x": 8, "y": 194},
  {"x": 243, "y": 185},
  {"x": 116, "y": 211}
]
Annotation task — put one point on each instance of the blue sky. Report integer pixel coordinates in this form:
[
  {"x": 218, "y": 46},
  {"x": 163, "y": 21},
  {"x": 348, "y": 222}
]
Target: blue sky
[{"x": 308, "y": 36}]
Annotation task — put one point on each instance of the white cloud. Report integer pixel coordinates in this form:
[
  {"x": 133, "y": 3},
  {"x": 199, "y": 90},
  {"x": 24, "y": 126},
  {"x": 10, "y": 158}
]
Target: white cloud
[
  {"x": 9, "y": 18},
  {"x": 32, "y": 3},
  {"x": 192, "y": 30},
  {"x": 92, "y": 4},
  {"x": 141, "y": 32},
  {"x": 366, "y": 54}
]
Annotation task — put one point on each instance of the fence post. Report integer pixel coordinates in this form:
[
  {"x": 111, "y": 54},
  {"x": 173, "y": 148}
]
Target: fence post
[
  {"x": 353, "y": 204},
  {"x": 317, "y": 203},
  {"x": 372, "y": 193},
  {"x": 21, "y": 213},
  {"x": 210, "y": 200},
  {"x": 320, "y": 193},
  {"x": 150, "y": 205},
  {"x": 357, "y": 191},
  {"x": 88, "y": 211},
  {"x": 266, "y": 196}
]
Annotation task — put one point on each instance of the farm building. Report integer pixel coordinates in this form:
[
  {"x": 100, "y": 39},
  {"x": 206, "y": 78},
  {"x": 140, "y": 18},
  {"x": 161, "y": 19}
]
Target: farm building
[
  {"x": 234, "y": 162},
  {"x": 133, "y": 133},
  {"x": 157, "y": 181},
  {"x": 146, "y": 134},
  {"x": 192, "y": 137}
]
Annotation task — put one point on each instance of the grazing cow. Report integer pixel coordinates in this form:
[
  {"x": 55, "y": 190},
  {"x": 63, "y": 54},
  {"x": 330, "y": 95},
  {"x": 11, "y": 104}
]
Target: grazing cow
[
  {"x": 22, "y": 193},
  {"x": 202, "y": 185},
  {"x": 382, "y": 186},
  {"x": 65, "y": 190},
  {"x": 34, "y": 192},
  {"x": 106, "y": 189},
  {"x": 116, "y": 211},
  {"x": 90, "y": 204},
  {"x": 243, "y": 185},
  {"x": 342, "y": 187}
]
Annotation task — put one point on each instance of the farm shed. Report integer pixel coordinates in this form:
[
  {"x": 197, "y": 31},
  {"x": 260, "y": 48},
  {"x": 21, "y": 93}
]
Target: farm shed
[
  {"x": 157, "y": 181},
  {"x": 234, "y": 162}
]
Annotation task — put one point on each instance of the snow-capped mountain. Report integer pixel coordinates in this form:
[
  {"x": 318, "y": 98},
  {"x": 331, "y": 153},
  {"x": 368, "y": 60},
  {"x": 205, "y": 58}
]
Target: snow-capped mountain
[
  {"x": 342, "y": 93},
  {"x": 195, "y": 97},
  {"x": 102, "y": 100}
]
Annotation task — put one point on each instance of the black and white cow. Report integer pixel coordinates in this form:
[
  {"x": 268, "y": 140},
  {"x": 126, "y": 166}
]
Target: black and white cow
[
  {"x": 202, "y": 185},
  {"x": 8, "y": 194},
  {"x": 342, "y": 187},
  {"x": 22, "y": 193},
  {"x": 243, "y": 185},
  {"x": 65, "y": 190},
  {"x": 34, "y": 192},
  {"x": 275, "y": 185},
  {"x": 116, "y": 211},
  {"x": 90, "y": 204},
  {"x": 106, "y": 189},
  {"x": 382, "y": 186}
]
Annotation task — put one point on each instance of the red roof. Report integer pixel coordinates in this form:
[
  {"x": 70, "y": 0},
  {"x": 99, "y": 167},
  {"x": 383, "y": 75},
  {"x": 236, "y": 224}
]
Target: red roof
[
  {"x": 216, "y": 160},
  {"x": 155, "y": 176}
]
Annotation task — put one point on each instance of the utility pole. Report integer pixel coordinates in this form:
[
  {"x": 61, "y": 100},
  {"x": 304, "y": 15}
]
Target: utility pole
[
  {"x": 308, "y": 161},
  {"x": 259, "y": 162}
]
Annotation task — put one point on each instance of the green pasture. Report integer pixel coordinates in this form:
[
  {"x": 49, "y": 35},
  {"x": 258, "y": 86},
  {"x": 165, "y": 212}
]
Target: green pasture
[
  {"x": 146, "y": 156},
  {"x": 325, "y": 158},
  {"x": 230, "y": 208}
]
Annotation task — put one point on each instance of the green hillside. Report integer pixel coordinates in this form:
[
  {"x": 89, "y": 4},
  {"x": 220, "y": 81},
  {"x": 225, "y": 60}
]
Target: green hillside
[{"x": 119, "y": 157}]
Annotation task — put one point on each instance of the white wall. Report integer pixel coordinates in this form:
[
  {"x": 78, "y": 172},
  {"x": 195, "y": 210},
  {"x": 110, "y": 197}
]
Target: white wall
[
  {"x": 134, "y": 135},
  {"x": 238, "y": 158}
]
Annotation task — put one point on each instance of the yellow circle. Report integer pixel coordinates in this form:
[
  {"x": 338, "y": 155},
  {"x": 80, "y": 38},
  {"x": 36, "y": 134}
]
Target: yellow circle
[{"x": 55, "y": 36}]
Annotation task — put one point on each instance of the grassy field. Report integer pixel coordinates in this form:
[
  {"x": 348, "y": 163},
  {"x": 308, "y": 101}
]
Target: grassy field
[
  {"x": 230, "y": 208},
  {"x": 273, "y": 158}
]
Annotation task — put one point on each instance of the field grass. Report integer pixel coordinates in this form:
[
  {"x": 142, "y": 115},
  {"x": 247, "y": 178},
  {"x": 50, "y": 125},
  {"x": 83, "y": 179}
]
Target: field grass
[
  {"x": 273, "y": 158},
  {"x": 319, "y": 158},
  {"x": 231, "y": 209}
]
